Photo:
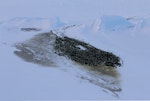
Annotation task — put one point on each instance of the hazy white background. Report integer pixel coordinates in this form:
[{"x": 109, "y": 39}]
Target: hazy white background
[{"x": 72, "y": 9}]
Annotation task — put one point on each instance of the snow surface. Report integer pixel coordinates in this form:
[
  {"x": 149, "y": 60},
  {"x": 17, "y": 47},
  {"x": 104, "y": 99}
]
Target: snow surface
[
  {"x": 85, "y": 20},
  {"x": 114, "y": 23}
]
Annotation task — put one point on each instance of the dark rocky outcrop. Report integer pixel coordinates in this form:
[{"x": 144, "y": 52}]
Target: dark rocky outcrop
[
  {"x": 30, "y": 29},
  {"x": 84, "y": 53},
  {"x": 42, "y": 47}
]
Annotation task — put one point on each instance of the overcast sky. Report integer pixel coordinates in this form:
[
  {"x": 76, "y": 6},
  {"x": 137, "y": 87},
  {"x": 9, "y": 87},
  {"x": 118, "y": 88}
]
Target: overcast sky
[{"x": 69, "y": 9}]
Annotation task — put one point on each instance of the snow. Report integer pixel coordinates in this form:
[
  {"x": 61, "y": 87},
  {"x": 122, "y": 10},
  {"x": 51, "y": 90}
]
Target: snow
[
  {"x": 111, "y": 22},
  {"x": 120, "y": 26}
]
